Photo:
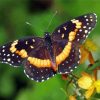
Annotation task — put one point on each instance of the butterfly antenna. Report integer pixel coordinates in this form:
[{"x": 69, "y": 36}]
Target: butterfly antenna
[
  {"x": 28, "y": 23},
  {"x": 51, "y": 19}
]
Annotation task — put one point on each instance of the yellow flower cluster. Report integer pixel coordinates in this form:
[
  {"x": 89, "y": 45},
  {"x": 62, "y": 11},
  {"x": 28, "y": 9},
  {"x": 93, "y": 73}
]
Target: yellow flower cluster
[{"x": 90, "y": 84}]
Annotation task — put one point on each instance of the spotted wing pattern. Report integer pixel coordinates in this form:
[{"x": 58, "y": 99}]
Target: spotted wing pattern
[
  {"x": 75, "y": 32},
  {"x": 38, "y": 73},
  {"x": 33, "y": 54},
  {"x": 15, "y": 52},
  {"x": 71, "y": 62},
  {"x": 82, "y": 25}
]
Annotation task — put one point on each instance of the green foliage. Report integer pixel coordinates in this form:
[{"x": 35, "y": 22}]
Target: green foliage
[{"x": 14, "y": 16}]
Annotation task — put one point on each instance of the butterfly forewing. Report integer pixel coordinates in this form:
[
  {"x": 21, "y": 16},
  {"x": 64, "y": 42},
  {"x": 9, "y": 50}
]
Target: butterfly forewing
[
  {"x": 74, "y": 32},
  {"x": 81, "y": 26},
  {"x": 15, "y": 52}
]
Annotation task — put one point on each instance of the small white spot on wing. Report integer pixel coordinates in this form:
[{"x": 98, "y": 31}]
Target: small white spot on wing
[
  {"x": 8, "y": 55},
  {"x": 33, "y": 40},
  {"x": 80, "y": 30},
  {"x": 90, "y": 28},
  {"x": 8, "y": 59},
  {"x": 86, "y": 31},
  {"x": 3, "y": 50},
  {"x": 3, "y": 46},
  {"x": 87, "y": 19},
  {"x": 84, "y": 26},
  {"x": 58, "y": 31}
]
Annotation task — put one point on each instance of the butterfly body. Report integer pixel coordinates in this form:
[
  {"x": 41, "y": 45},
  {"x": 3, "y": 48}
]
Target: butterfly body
[{"x": 43, "y": 58}]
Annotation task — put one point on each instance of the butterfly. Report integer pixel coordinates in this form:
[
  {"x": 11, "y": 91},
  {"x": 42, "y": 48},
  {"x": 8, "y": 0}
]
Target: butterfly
[{"x": 43, "y": 58}]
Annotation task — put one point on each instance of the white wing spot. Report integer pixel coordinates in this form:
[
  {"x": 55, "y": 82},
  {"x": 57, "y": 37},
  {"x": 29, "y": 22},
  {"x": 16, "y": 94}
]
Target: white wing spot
[
  {"x": 3, "y": 46},
  {"x": 58, "y": 31},
  {"x": 19, "y": 61},
  {"x": 65, "y": 28},
  {"x": 33, "y": 40},
  {"x": 13, "y": 54},
  {"x": 66, "y": 61},
  {"x": 37, "y": 72},
  {"x": 84, "y": 26},
  {"x": 8, "y": 55},
  {"x": 87, "y": 19},
  {"x": 42, "y": 76},
  {"x": 31, "y": 47},
  {"x": 12, "y": 62},
  {"x": 71, "y": 70},
  {"x": 77, "y": 34},
  {"x": 62, "y": 64},
  {"x": 42, "y": 80},
  {"x": 26, "y": 42},
  {"x": 80, "y": 30},
  {"x": 87, "y": 23},
  {"x": 78, "y": 39},
  {"x": 90, "y": 16},
  {"x": 78, "y": 62},
  {"x": 41, "y": 71},
  {"x": 32, "y": 79},
  {"x": 8, "y": 59},
  {"x": 4, "y": 59},
  {"x": 89, "y": 27},
  {"x": 75, "y": 66},
  {"x": 83, "y": 35},
  {"x": 91, "y": 20},
  {"x": 86, "y": 31},
  {"x": 66, "y": 72},
  {"x": 3, "y": 50}
]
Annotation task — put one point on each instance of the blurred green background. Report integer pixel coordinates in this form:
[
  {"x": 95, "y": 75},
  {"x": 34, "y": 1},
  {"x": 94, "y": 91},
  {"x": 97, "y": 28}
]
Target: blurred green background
[{"x": 22, "y": 18}]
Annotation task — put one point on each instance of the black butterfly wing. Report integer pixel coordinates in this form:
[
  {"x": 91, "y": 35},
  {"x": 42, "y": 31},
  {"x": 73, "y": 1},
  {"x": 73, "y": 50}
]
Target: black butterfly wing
[
  {"x": 81, "y": 26},
  {"x": 71, "y": 62},
  {"x": 74, "y": 32},
  {"x": 18, "y": 52},
  {"x": 38, "y": 69},
  {"x": 15, "y": 52}
]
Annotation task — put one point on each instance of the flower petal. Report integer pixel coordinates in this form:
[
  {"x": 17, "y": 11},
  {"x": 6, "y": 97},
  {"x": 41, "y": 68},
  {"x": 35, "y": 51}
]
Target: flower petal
[
  {"x": 85, "y": 81},
  {"x": 72, "y": 98},
  {"x": 97, "y": 86},
  {"x": 89, "y": 92}
]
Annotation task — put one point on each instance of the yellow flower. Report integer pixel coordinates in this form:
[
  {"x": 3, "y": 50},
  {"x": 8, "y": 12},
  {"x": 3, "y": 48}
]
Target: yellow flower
[
  {"x": 72, "y": 98},
  {"x": 90, "y": 84},
  {"x": 85, "y": 81},
  {"x": 97, "y": 86},
  {"x": 90, "y": 45}
]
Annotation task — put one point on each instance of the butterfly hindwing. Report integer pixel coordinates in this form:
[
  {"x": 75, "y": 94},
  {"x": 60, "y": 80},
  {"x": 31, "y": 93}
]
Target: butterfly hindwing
[
  {"x": 80, "y": 27},
  {"x": 15, "y": 52},
  {"x": 38, "y": 74},
  {"x": 37, "y": 67}
]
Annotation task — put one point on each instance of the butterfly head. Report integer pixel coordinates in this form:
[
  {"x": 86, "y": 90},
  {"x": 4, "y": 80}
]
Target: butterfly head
[{"x": 47, "y": 37}]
